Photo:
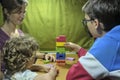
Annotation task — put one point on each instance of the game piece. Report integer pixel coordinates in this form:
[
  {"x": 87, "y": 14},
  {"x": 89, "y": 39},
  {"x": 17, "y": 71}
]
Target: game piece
[{"x": 60, "y": 50}]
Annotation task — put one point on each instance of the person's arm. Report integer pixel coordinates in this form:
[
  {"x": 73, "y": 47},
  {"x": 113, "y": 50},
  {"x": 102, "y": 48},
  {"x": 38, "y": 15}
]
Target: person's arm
[
  {"x": 51, "y": 75},
  {"x": 39, "y": 67},
  {"x": 75, "y": 47},
  {"x": 82, "y": 52},
  {"x": 45, "y": 56},
  {"x": 77, "y": 72},
  {"x": 88, "y": 68},
  {"x": 1, "y": 75}
]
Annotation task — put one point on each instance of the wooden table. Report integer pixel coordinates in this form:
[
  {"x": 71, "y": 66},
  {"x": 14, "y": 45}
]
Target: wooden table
[{"x": 62, "y": 69}]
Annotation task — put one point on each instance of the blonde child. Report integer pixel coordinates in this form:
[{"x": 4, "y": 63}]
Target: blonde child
[{"x": 19, "y": 55}]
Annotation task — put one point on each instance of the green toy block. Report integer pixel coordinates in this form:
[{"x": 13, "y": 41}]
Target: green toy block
[{"x": 46, "y": 61}]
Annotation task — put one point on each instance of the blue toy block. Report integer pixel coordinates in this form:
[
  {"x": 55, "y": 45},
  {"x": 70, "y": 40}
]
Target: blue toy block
[{"x": 60, "y": 56}]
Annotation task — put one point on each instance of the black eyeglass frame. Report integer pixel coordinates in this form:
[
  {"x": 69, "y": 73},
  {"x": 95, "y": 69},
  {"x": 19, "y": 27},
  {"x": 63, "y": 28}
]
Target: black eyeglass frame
[{"x": 84, "y": 21}]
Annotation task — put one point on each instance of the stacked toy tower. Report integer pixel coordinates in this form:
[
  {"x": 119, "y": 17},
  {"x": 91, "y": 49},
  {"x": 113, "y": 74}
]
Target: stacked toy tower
[{"x": 60, "y": 50}]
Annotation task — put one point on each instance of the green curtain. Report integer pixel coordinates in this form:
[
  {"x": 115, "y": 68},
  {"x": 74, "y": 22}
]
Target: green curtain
[
  {"x": 1, "y": 17},
  {"x": 47, "y": 19}
]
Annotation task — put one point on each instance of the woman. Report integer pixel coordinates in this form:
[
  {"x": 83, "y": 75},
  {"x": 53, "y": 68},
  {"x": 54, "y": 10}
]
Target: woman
[{"x": 13, "y": 14}]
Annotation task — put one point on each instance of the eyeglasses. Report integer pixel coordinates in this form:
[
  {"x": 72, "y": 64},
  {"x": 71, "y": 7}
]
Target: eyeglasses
[{"x": 84, "y": 22}]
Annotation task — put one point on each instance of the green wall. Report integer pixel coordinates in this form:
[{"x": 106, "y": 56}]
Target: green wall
[{"x": 46, "y": 19}]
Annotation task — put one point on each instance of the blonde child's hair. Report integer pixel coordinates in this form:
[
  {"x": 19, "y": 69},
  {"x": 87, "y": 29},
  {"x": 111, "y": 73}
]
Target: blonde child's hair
[{"x": 17, "y": 52}]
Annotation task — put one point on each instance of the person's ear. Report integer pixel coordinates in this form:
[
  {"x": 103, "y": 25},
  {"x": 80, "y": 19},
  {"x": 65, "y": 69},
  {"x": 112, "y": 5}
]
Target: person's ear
[
  {"x": 98, "y": 26},
  {"x": 96, "y": 23}
]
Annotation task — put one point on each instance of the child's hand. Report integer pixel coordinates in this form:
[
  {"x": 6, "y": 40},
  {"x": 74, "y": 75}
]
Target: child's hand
[
  {"x": 53, "y": 71},
  {"x": 51, "y": 75},
  {"x": 46, "y": 68},
  {"x": 72, "y": 46},
  {"x": 38, "y": 67}
]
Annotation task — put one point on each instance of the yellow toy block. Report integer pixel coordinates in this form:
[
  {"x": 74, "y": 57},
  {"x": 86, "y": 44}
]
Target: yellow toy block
[{"x": 60, "y": 43}]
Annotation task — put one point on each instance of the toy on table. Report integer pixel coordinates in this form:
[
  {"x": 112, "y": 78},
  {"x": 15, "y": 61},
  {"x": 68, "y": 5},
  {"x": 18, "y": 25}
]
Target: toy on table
[
  {"x": 46, "y": 61},
  {"x": 60, "y": 50},
  {"x": 70, "y": 58}
]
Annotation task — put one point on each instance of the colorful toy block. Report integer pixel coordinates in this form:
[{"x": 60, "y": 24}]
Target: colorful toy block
[
  {"x": 60, "y": 50},
  {"x": 60, "y": 56},
  {"x": 46, "y": 61},
  {"x": 60, "y": 43}
]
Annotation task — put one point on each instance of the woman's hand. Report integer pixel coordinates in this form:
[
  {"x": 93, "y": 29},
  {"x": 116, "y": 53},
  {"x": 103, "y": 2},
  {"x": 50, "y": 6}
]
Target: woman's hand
[
  {"x": 72, "y": 46},
  {"x": 49, "y": 57},
  {"x": 45, "y": 56}
]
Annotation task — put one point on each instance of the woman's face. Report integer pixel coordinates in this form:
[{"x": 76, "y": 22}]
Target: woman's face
[{"x": 17, "y": 17}]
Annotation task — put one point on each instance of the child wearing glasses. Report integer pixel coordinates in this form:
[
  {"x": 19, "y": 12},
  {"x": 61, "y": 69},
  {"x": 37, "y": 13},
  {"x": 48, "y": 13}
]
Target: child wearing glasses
[
  {"x": 19, "y": 55},
  {"x": 102, "y": 60}
]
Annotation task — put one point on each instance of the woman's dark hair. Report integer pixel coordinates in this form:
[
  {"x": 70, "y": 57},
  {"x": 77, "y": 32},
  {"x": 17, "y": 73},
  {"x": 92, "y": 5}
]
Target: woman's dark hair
[
  {"x": 17, "y": 52},
  {"x": 11, "y": 5},
  {"x": 106, "y": 11},
  {"x": 0, "y": 1}
]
